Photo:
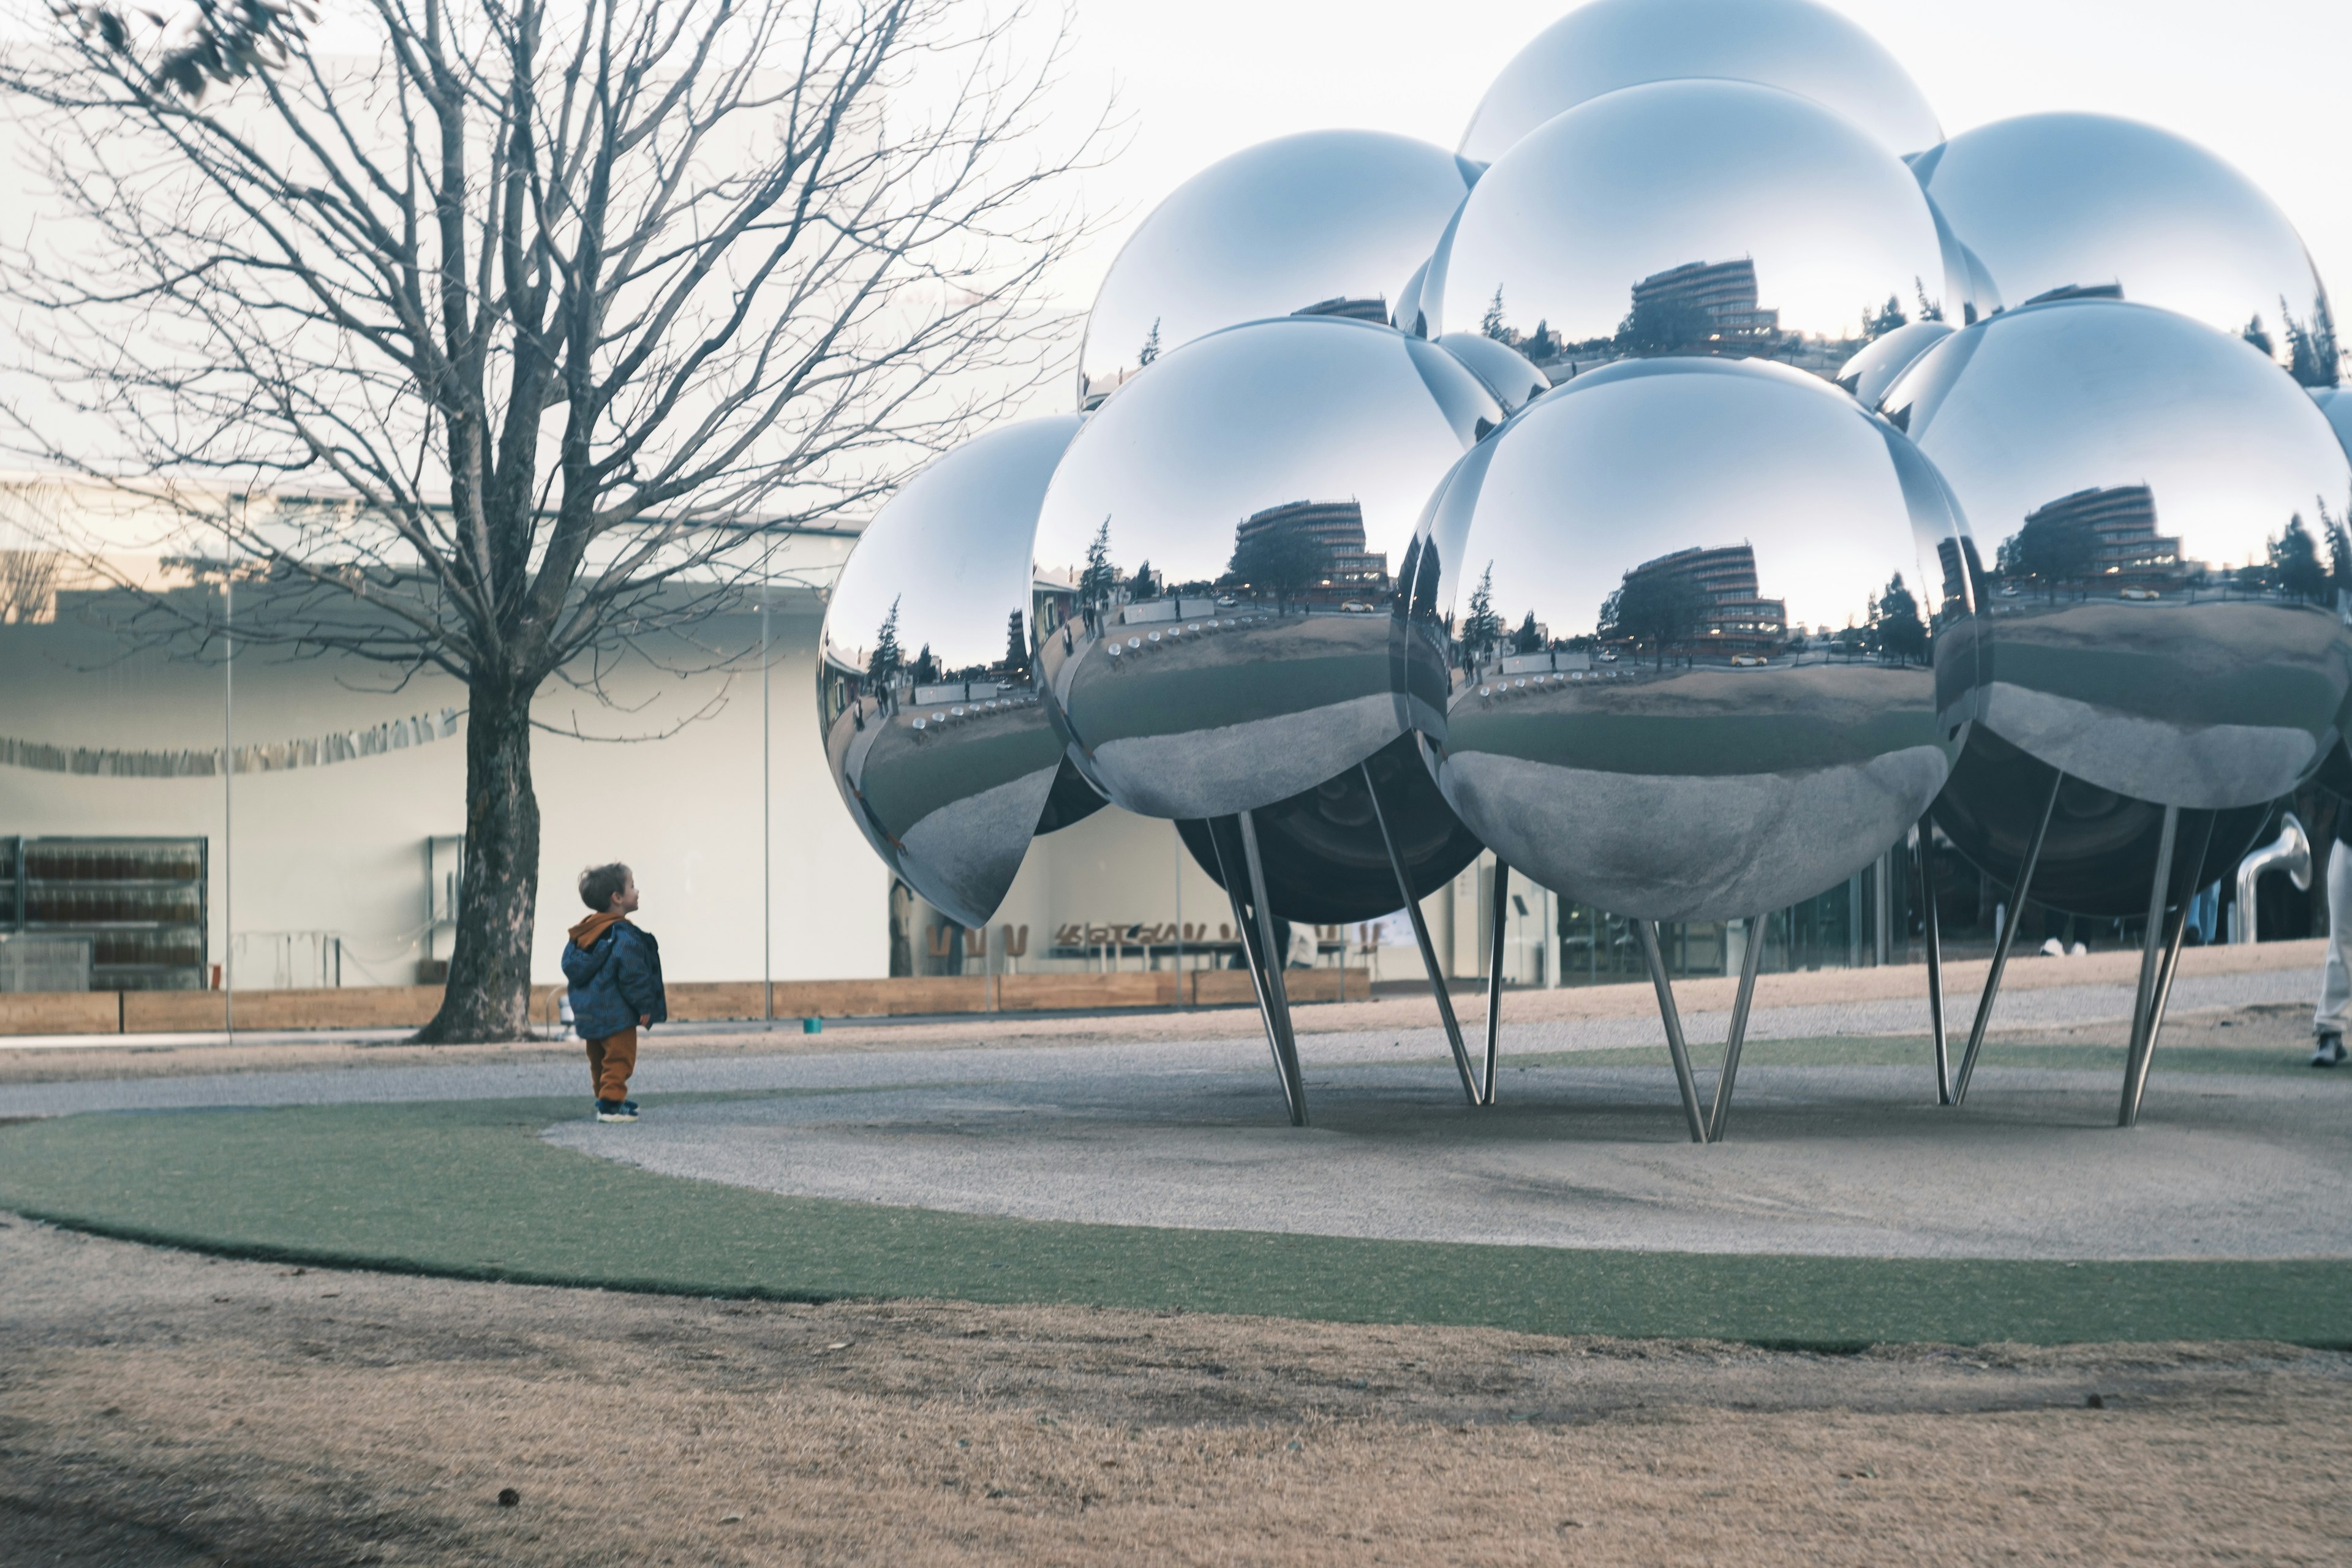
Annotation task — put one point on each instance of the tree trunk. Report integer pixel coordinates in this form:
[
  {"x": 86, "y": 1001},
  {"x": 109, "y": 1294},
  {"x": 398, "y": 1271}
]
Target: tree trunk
[{"x": 488, "y": 993}]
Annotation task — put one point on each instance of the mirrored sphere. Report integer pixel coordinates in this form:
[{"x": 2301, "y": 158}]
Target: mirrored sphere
[
  {"x": 1690, "y": 217},
  {"x": 2089, "y": 204},
  {"x": 1869, "y": 374},
  {"x": 1213, "y": 559},
  {"x": 2334, "y": 402},
  {"x": 1510, "y": 374},
  {"x": 1692, "y": 639},
  {"x": 1794, "y": 44},
  {"x": 931, "y": 725},
  {"x": 2156, "y": 501},
  {"x": 1323, "y": 221},
  {"x": 1321, "y": 850}
]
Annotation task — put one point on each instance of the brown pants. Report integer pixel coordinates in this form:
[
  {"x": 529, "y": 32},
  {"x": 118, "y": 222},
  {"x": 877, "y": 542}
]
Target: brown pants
[{"x": 610, "y": 1060}]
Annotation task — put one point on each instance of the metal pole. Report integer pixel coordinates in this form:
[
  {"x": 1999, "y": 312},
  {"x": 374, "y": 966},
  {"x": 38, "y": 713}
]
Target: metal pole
[
  {"x": 1225, "y": 874},
  {"x": 1667, "y": 1014},
  {"x": 1279, "y": 991},
  {"x": 1739, "y": 1034},
  {"x": 1178, "y": 845},
  {"x": 2151, "y": 954},
  {"x": 1428, "y": 947},
  {"x": 1497, "y": 922},
  {"x": 228, "y": 779},
  {"x": 2159, "y": 989},
  {"x": 2008, "y": 939},
  {"x": 767, "y": 809},
  {"x": 1922, "y": 837}
]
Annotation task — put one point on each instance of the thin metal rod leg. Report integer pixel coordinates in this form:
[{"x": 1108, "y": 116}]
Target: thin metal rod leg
[
  {"x": 1227, "y": 873},
  {"x": 1498, "y": 923},
  {"x": 1428, "y": 947},
  {"x": 1923, "y": 840},
  {"x": 2144, "y": 1031},
  {"x": 2008, "y": 939},
  {"x": 2151, "y": 954},
  {"x": 1294, "y": 1083},
  {"x": 1672, "y": 1020},
  {"x": 1757, "y": 925}
]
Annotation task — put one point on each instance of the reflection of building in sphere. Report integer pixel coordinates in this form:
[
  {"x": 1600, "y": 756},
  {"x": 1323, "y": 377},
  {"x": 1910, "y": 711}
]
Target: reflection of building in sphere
[
  {"x": 1334, "y": 533},
  {"x": 1696, "y": 305},
  {"x": 2107, "y": 532},
  {"x": 1729, "y": 613}
]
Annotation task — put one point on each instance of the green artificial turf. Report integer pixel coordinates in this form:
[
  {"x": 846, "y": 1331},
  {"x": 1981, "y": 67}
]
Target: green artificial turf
[{"x": 469, "y": 1189}]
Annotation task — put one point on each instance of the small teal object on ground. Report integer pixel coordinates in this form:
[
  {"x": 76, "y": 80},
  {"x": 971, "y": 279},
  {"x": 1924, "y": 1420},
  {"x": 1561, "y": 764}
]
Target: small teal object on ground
[{"x": 812, "y": 1025}]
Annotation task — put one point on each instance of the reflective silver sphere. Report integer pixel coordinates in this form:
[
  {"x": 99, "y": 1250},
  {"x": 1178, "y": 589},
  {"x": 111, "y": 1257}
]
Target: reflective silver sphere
[
  {"x": 1214, "y": 557},
  {"x": 1692, "y": 639},
  {"x": 1870, "y": 373},
  {"x": 1510, "y": 374},
  {"x": 1690, "y": 217},
  {"x": 1325, "y": 222},
  {"x": 2336, "y": 403},
  {"x": 2091, "y": 203},
  {"x": 931, "y": 725},
  {"x": 1794, "y": 44},
  {"x": 2158, "y": 502}
]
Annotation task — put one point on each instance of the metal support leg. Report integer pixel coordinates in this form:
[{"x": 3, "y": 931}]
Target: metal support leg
[
  {"x": 1737, "y": 1037},
  {"x": 2151, "y": 954},
  {"x": 2008, "y": 939},
  {"x": 1674, "y": 1023},
  {"x": 1294, "y": 1083},
  {"x": 2148, "y": 1020},
  {"x": 1252, "y": 958},
  {"x": 1498, "y": 920},
  {"x": 1428, "y": 947},
  {"x": 1923, "y": 838}
]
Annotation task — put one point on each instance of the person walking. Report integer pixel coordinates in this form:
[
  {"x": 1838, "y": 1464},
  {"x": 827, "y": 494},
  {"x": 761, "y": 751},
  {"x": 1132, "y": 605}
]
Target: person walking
[
  {"x": 2335, "y": 980},
  {"x": 616, "y": 976}
]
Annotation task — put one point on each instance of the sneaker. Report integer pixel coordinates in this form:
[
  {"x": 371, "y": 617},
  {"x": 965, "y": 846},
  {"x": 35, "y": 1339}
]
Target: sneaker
[
  {"x": 616, "y": 1110},
  {"x": 2329, "y": 1053}
]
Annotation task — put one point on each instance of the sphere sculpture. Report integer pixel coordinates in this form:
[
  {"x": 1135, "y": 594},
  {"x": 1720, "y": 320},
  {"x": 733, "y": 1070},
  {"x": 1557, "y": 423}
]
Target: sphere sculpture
[
  {"x": 2161, "y": 502},
  {"x": 1794, "y": 44},
  {"x": 2158, "y": 502},
  {"x": 1325, "y": 222},
  {"x": 1871, "y": 371},
  {"x": 1716, "y": 217},
  {"x": 1692, "y": 639},
  {"x": 2068, "y": 205},
  {"x": 931, "y": 725},
  {"x": 1213, "y": 553}
]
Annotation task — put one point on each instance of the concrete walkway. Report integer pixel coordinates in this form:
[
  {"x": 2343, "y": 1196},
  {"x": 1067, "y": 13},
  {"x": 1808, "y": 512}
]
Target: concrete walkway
[{"x": 1189, "y": 1131}]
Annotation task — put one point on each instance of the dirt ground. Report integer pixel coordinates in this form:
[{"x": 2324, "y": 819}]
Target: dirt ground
[{"x": 164, "y": 1409}]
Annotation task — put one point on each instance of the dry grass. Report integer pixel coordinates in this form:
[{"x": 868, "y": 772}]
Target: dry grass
[{"x": 162, "y": 1408}]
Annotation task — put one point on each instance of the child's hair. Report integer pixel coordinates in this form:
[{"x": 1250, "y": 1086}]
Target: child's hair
[{"x": 599, "y": 885}]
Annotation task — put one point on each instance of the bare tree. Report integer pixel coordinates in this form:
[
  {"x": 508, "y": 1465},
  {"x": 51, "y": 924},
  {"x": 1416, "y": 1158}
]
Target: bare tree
[{"x": 572, "y": 301}]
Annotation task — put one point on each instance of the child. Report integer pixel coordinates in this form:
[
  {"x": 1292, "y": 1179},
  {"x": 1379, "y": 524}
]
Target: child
[{"x": 616, "y": 985}]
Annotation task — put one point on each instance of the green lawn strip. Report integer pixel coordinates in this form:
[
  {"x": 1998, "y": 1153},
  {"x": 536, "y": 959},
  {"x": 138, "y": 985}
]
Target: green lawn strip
[
  {"x": 469, "y": 1189},
  {"x": 1913, "y": 1051}
]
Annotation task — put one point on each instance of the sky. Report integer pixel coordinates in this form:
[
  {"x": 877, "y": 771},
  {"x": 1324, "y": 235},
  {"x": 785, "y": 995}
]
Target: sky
[{"x": 2262, "y": 83}]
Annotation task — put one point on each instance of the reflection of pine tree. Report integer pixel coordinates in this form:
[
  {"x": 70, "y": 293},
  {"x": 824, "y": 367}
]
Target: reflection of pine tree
[
  {"x": 925, "y": 671},
  {"x": 1885, "y": 319},
  {"x": 1100, "y": 576},
  {"x": 2340, "y": 551},
  {"x": 1145, "y": 583},
  {"x": 1529, "y": 639},
  {"x": 1901, "y": 635},
  {"x": 2050, "y": 549},
  {"x": 1928, "y": 310},
  {"x": 2295, "y": 571},
  {"x": 1150, "y": 349},
  {"x": 2312, "y": 354},
  {"x": 887, "y": 658},
  {"x": 1491, "y": 323},
  {"x": 1482, "y": 628},
  {"x": 2254, "y": 335}
]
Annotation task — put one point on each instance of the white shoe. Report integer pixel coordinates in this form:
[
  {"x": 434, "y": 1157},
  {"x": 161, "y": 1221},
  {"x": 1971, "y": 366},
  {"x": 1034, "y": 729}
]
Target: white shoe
[{"x": 2329, "y": 1052}]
